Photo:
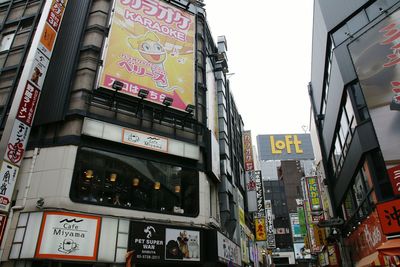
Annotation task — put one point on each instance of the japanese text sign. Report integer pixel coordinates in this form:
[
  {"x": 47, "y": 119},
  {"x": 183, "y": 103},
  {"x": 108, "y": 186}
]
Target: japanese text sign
[
  {"x": 27, "y": 106},
  {"x": 366, "y": 238},
  {"x": 394, "y": 175},
  {"x": 17, "y": 143},
  {"x": 313, "y": 193},
  {"x": 259, "y": 194},
  {"x": 248, "y": 151},
  {"x": 376, "y": 58},
  {"x": 8, "y": 176},
  {"x": 151, "y": 46},
  {"x": 260, "y": 228},
  {"x": 270, "y": 224},
  {"x": 389, "y": 216}
]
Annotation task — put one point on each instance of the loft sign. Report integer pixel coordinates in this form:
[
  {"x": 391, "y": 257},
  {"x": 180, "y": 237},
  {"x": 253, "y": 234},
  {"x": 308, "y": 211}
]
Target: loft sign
[
  {"x": 277, "y": 146},
  {"x": 140, "y": 139}
]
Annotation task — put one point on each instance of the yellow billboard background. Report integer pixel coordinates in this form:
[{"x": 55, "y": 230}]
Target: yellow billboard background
[{"x": 151, "y": 46}]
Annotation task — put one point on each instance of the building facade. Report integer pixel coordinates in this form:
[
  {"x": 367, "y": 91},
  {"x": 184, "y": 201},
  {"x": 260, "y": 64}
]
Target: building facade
[
  {"x": 355, "y": 108},
  {"x": 135, "y": 143}
]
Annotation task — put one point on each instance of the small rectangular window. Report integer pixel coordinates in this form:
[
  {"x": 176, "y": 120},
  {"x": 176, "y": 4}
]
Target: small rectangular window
[{"x": 6, "y": 42}]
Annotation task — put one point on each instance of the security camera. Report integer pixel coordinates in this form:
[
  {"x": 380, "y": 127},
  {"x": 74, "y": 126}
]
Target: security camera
[{"x": 40, "y": 203}]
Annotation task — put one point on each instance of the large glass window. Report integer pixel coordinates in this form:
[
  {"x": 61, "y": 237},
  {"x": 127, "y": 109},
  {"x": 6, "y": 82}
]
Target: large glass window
[
  {"x": 357, "y": 203},
  {"x": 344, "y": 136},
  {"x": 110, "y": 179}
]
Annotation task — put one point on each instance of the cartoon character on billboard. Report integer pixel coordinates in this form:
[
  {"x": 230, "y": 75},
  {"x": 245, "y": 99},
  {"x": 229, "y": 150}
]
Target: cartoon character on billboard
[{"x": 151, "y": 50}]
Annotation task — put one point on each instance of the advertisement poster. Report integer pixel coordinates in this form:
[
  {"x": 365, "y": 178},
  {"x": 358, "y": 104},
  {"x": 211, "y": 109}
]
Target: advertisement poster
[
  {"x": 151, "y": 46},
  {"x": 70, "y": 236},
  {"x": 376, "y": 59},
  {"x": 155, "y": 242},
  {"x": 182, "y": 245}
]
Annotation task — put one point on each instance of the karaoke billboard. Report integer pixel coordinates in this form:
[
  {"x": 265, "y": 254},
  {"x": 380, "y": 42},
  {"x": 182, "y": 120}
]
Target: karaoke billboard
[{"x": 151, "y": 46}]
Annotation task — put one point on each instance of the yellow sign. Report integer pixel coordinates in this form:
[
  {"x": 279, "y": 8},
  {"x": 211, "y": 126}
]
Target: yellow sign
[
  {"x": 241, "y": 217},
  {"x": 151, "y": 46},
  {"x": 277, "y": 146},
  {"x": 261, "y": 231}
]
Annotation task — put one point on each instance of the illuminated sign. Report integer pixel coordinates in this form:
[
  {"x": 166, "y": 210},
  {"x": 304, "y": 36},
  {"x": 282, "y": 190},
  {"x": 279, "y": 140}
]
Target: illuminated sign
[
  {"x": 313, "y": 194},
  {"x": 260, "y": 228},
  {"x": 151, "y": 46},
  {"x": 285, "y": 147}
]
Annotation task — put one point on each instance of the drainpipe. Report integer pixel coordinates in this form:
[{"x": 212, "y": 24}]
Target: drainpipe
[{"x": 22, "y": 206}]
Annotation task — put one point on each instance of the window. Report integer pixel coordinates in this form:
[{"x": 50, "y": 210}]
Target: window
[
  {"x": 357, "y": 203},
  {"x": 350, "y": 27},
  {"x": 110, "y": 179},
  {"x": 344, "y": 135},
  {"x": 6, "y": 42}
]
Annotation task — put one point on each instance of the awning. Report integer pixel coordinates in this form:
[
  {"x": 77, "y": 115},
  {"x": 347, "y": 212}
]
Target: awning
[
  {"x": 368, "y": 261},
  {"x": 391, "y": 247}
]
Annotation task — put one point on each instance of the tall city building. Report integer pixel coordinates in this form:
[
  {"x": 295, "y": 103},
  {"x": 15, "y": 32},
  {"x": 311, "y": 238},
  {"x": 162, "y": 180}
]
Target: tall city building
[
  {"x": 284, "y": 161},
  {"x": 119, "y": 133},
  {"x": 355, "y": 104}
]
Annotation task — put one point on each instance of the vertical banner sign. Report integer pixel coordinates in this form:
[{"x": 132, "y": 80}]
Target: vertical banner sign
[
  {"x": 270, "y": 225},
  {"x": 27, "y": 95},
  {"x": 259, "y": 194},
  {"x": 151, "y": 46},
  {"x": 251, "y": 191},
  {"x": 376, "y": 59},
  {"x": 248, "y": 151},
  {"x": 261, "y": 233},
  {"x": 313, "y": 194}
]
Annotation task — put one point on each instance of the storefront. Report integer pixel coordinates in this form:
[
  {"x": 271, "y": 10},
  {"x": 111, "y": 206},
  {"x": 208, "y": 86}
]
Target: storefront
[
  {"x": 60, "y": 238},
  {"x": 363, "y": 242}
]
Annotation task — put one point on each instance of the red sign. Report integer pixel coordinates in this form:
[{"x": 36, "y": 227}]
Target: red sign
[
  {"x": 394, "y": 174},
  {"x": 27, "y": 106},
  {"x": 389, "y": 215},
  {"x": 366, "y": 238},
  {"x": 3, "y": 222},
  {"x": 248, "y": 151}
]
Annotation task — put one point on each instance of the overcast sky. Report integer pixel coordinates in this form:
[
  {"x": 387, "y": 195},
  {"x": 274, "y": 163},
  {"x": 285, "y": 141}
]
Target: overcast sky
[{"x": 269, "y": 52}]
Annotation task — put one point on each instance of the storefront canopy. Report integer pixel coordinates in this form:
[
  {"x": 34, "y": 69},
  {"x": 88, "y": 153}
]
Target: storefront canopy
[
  {"x": 370, "y": 260},
  {"x": 390, "y": 247}
]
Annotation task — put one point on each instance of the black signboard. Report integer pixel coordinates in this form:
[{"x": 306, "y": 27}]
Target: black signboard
[
  {"x": 160, "y": 243},
  {"x": 147, "y": 240}
]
